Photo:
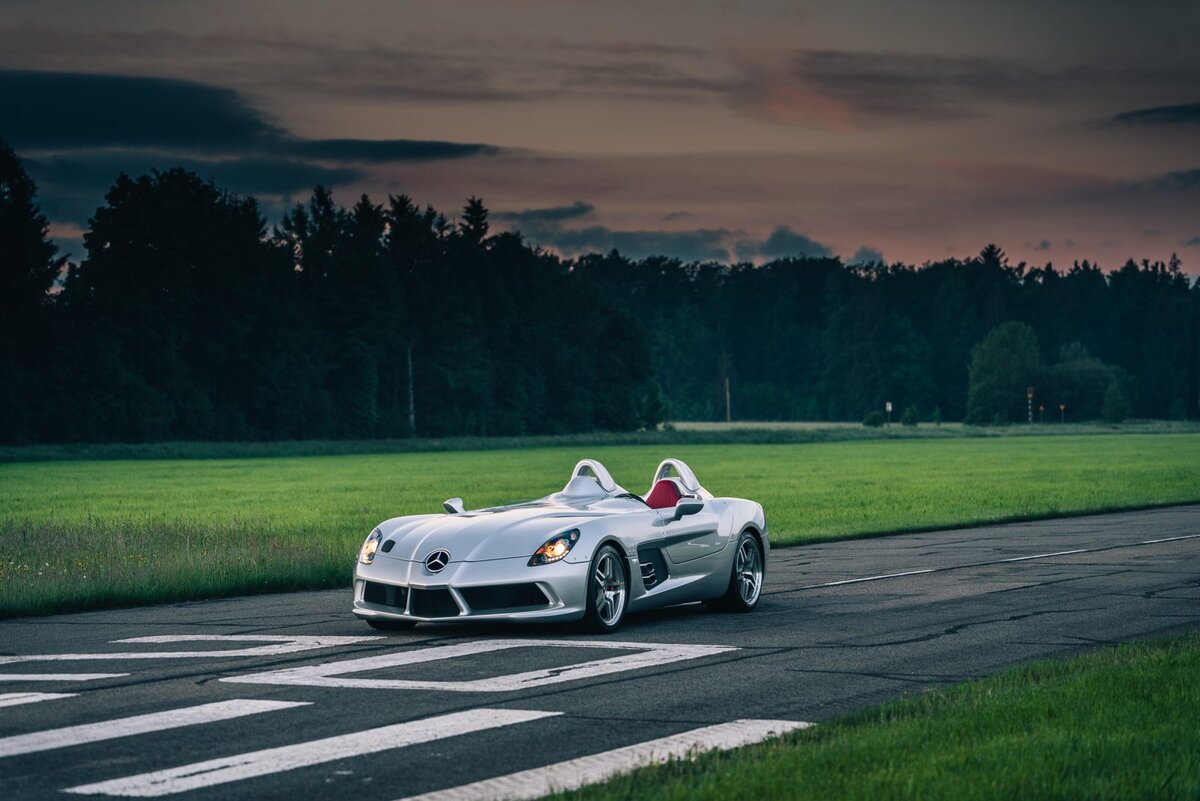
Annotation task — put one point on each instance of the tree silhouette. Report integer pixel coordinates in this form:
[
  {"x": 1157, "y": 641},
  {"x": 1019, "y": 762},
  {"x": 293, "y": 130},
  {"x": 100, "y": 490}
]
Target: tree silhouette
[{"x": 474, "y": 224}]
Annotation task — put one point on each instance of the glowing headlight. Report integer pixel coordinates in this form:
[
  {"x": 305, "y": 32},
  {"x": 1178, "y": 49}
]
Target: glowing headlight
[
  {"x": 367, "y": 554},
  {"x": 555, "y": 549}
]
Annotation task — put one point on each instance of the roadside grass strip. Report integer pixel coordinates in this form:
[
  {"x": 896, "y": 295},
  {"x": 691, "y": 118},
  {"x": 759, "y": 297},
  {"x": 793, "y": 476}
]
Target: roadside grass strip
[
  {"x": 94, "y": 534},
  {"x": 1119, "y": 723}
]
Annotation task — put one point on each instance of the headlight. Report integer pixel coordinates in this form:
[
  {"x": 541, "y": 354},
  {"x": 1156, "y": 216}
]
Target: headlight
[
  {"x": 367, "y": 554},
  {"x": 555, "y": 549}
]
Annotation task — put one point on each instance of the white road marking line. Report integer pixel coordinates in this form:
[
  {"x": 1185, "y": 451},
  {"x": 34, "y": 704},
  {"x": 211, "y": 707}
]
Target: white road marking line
[
  {"x": 1043, "y": 555},
  {"x": 48, "y": 677},
  {"x": 278, "y": 644},
  {"x": 330, "y": 674},
  {"x": 275, "y": 760},
  {"x": 138, "y": 724},
  {"x": 1169, "y": 539},
  {"x": 595, "y": 768},
  {"x": 983, "y": 564},
  {"x": 16, "y": 699},
  {"x": 870, "y": 578}
]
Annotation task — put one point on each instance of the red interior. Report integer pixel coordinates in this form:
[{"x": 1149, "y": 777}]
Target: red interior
[{"x": 665, "y": 494}]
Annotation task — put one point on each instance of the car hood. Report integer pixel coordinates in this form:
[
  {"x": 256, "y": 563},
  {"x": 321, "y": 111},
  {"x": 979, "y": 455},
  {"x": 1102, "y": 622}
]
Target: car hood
[{"x": 479, "y": 535}]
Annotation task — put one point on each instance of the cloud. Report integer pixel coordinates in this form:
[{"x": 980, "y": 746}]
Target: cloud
[
  {"x": 783, "y": 242},
  {"x": 49, "y": 110},
  {"x": 1192, "y": 243},
  {"x": 702, "y": 244},
  {"x": 843, "y": 89},
  {"x": 1175, "y": 181},
  {"x": 385, "y": 150},
  {"x": 1044, "y": 244},
  {"x": 1185, "y": 114},
  {"x": 867, "y": 255},
  {"x": 550, "y": 227},
  {"x": 72, "y": 186},
  {"x": 167, "y": 114},
  {"x": 532, "y": 218},
  {"x": 554, "y": 227}
]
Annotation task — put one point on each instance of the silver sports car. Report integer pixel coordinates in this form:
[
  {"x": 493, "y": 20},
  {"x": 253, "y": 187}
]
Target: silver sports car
[{"x": 589, "y": 553}]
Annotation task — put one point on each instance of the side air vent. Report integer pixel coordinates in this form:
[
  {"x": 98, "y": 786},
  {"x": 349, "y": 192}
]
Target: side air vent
[{"x": 653, "y": 566}]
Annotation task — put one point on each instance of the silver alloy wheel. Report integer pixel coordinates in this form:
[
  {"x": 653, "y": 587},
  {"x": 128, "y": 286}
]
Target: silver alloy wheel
[
  {"x": 749, "y": 571},
  {"x": 609, "y": 589}
]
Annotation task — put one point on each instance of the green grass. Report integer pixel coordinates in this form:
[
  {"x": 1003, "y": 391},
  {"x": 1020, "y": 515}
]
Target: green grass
[
  {"x": 1114, "y": 724},
  {"x": 674, "y": 435},
  {"x": 83, "y": 534}
]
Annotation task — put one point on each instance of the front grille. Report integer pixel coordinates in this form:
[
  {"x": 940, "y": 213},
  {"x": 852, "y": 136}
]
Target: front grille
[
  {"x": 433, "y": 603},
  {"x": 385, "y": 594},
  {"x": 504, "y": 596}
]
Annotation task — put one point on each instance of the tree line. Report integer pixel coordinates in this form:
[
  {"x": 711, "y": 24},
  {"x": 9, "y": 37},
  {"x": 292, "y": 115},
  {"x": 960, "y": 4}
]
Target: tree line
[{"x": 190, "y": 317}]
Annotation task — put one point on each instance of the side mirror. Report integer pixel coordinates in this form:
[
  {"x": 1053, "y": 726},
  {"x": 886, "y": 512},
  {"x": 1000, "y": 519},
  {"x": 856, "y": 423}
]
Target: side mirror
[
  {"x": 687, "y": 506},
  {"x": 453, "y": 506}
]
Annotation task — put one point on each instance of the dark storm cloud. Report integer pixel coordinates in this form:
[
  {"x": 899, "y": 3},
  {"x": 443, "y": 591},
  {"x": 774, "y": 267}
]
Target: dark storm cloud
[
  {"x": 66, "y": 111},
  {"x": 1186, "y": 114}
]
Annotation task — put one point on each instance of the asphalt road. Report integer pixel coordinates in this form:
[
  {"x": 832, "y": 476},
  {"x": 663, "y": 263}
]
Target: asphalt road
[{"x": 207, "y": 711}]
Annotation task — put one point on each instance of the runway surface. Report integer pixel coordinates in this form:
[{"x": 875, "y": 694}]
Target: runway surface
[{"x": 289, "y": 696}]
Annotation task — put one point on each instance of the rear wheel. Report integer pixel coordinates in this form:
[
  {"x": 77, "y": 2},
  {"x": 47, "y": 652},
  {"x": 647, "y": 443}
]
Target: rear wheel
[
  {"x": 607, "y": 593},
  {"x": 387, "y": 624},
  {"x": 745, "y": 580}
]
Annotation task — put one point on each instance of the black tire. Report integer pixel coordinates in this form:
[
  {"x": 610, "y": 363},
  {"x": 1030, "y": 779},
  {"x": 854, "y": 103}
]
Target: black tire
[
  {"x": 747, "y": 559},
  {"x": 387, "y": 624},
  {"x": 606, "y": 602}
]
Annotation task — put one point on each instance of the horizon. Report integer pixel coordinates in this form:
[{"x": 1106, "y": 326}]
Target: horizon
[{"x": 864, "y": 131}]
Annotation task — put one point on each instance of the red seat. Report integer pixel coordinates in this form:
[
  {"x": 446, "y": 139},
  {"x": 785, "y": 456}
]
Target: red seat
[{"x": 664, "y": 495}]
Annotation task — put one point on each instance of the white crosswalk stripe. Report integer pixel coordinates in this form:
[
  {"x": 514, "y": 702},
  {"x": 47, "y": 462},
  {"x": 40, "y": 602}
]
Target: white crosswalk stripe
[
  {"x": 48, "y": 677},
  {"x": 595, "y": 768},
  {"x": 275, "y": 760},
  {"x": 138, "y": 724},
  {"x": 16, "y": 699}
]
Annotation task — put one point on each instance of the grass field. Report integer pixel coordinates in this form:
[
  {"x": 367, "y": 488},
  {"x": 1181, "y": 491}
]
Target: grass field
[
  {"x": 82, "y": 534},
  {"x": 1115, "y": 724}
]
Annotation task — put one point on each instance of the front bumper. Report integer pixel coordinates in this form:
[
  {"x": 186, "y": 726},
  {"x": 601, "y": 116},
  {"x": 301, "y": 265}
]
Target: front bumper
[{"x": 498, "y": 589}]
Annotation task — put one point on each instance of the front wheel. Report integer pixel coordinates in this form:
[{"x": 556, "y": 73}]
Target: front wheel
[
  {"x": 745, "y": 580},
  {"x": 607, "y": 592}
]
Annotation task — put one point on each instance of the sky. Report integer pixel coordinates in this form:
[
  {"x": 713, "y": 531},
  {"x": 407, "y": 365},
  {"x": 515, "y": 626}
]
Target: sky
[{"x": 868, "y": 129}]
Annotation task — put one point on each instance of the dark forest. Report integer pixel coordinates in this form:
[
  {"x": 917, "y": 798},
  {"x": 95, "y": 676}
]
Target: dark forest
[{"x": 190, "y": 316}]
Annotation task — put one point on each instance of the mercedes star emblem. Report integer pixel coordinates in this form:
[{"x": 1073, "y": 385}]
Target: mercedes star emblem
[{"x": 436, "y": 562}]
